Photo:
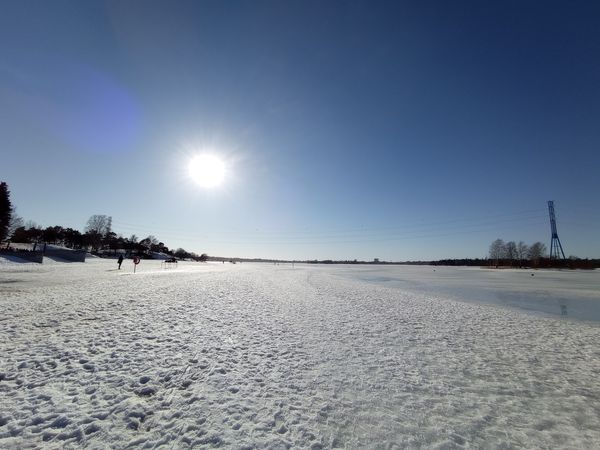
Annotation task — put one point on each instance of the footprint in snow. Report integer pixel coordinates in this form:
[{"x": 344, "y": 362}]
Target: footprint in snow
[{"x": 146, "y": 391}]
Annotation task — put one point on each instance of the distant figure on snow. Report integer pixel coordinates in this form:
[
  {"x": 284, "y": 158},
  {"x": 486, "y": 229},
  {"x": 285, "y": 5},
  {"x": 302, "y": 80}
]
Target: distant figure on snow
[{"x": 120, "y": 261}]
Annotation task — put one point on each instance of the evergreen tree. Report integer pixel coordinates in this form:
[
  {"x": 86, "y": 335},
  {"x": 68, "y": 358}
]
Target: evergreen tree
[{"x": 5, "y": 210}]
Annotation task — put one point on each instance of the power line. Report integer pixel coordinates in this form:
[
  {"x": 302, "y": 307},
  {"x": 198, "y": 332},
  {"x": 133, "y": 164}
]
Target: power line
[
  {"x": 538, "y": 223},
  {"x": 348, "y": 233}
]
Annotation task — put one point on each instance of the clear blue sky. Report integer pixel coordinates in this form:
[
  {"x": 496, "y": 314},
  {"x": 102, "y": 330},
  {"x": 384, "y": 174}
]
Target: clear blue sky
[{"x": 398, "y": 130}]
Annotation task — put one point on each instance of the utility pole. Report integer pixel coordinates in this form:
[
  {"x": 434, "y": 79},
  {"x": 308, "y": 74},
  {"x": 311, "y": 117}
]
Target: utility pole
[{"x": 555, "y": 244}]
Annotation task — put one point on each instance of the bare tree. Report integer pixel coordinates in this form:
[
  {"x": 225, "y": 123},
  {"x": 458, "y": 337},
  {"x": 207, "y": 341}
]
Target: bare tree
[
  {"x": 497, "y": 251},
  {"x": 522, "y": 252},
  {"x": 537, "y": 251},
  {"x": 16, "y": 221},
  {"x": 511, "y": 250},
  {"x": 97, "y": 228},
  {"x": 100, "y": 224}
]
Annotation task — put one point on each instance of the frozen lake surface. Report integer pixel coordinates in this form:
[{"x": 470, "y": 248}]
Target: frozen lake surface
[
  {"x": 571, "y": 293},
  {"x": 263, "y": 356}
]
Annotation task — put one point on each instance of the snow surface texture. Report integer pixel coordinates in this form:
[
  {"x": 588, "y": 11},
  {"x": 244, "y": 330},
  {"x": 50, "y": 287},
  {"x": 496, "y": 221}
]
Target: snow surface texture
[{"x": 264, "y": 356}]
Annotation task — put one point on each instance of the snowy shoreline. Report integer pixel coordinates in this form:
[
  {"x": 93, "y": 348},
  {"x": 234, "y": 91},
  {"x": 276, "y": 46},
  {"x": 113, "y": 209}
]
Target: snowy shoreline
[{"x": 263, "y": 356}]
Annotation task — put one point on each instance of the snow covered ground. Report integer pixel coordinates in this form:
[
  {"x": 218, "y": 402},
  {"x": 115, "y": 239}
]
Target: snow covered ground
[{"x": 263, "y": 356}]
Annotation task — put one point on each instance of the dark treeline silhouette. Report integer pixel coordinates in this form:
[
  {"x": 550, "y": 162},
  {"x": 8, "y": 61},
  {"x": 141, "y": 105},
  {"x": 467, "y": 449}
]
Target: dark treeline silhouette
[
  {"x": 512, "y": 254},
  {"x": 543, "y": 262},
  {"x": 98, "y": 238}
]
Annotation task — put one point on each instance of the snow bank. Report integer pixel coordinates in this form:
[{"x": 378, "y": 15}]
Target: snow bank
[
  {"x": 262, "y": 356},
  {"x": 7, "y": 260}
]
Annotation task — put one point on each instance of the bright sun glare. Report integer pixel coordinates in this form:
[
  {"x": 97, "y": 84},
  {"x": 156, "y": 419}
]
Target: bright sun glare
[{"x": 207, "y": 171}]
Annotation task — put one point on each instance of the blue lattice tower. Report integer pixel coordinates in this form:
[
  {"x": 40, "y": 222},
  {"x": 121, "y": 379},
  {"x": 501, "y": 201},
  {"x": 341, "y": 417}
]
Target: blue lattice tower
[{"x": 555, "y": 245}]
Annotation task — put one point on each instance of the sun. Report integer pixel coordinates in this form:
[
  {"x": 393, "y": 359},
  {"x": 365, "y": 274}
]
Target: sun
[{"x": 208, "y": 171}]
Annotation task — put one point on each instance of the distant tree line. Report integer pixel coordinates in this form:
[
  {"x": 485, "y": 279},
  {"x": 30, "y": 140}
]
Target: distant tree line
[
  {"x": 100, "y": 239},
  {"x": 519, "y": 254},
  {"x": 571, "y": 263},
  {"x": 98, "y": 236},
  {"x": 516, "y": 254}
]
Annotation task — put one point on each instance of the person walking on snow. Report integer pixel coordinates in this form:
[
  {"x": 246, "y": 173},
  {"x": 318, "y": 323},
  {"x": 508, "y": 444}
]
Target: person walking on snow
[{"x": 120, "y": 261}]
